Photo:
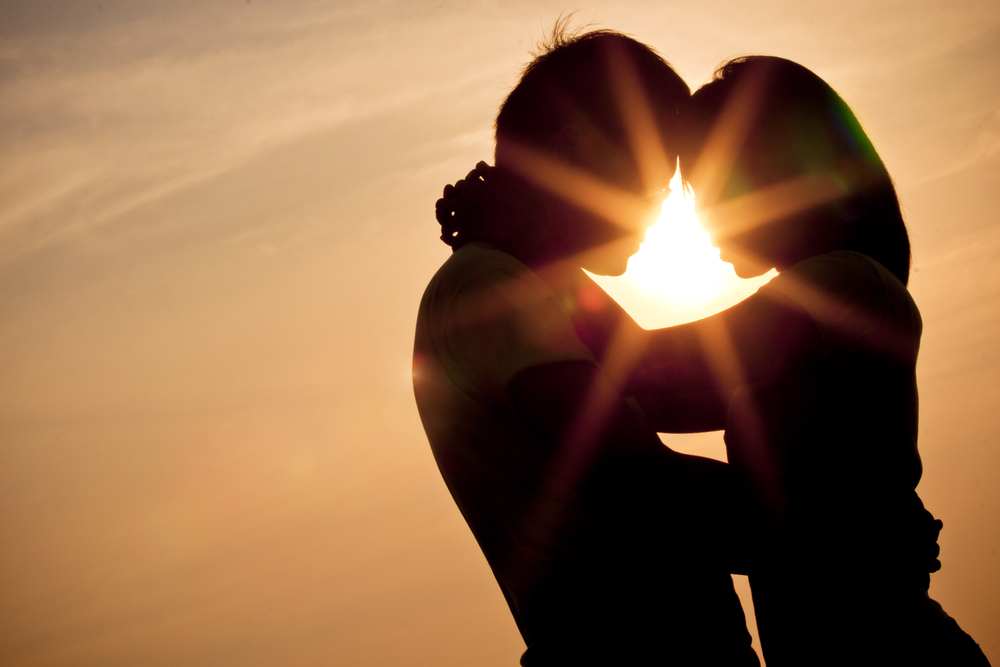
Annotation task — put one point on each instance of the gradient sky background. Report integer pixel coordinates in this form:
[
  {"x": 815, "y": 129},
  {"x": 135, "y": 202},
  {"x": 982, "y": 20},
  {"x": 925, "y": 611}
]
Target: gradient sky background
[{"x": 215, "y": 226}]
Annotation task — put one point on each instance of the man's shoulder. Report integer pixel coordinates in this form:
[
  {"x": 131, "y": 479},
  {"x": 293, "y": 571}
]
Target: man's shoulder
[
  {"x": 487, "y": 317},
  {"x": 477, "y": 266}
]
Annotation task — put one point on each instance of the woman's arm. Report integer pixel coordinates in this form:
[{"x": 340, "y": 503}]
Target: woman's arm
[{"x": 699, "y": 412}]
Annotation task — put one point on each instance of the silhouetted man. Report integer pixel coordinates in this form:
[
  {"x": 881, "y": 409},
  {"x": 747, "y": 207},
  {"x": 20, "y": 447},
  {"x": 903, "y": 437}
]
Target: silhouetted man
[{"x": 604, "y": 542}]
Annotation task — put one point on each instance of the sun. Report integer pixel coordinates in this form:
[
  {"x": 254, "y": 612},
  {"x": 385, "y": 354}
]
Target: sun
[
  {"x": 677, "y": 275},
  {"x": 677, "y": 262}
]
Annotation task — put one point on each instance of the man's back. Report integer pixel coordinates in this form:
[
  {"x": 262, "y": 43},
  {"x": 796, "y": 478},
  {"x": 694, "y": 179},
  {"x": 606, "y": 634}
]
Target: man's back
[{"x": 480, "y": 322}]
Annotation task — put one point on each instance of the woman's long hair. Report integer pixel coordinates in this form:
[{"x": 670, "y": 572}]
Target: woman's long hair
[{"x": 792, "y": 124}]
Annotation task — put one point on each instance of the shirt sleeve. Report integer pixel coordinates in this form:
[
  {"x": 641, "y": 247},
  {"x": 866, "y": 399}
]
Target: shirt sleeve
[{"x": 505, "y": 320}]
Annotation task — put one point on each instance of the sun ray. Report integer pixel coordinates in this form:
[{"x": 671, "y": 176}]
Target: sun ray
[
  {"x": 727, "y": 136},
  {"x": 644, "y": 137},
  {"x": 763, "y": 206},
  {"x": 577, "y": 186}
]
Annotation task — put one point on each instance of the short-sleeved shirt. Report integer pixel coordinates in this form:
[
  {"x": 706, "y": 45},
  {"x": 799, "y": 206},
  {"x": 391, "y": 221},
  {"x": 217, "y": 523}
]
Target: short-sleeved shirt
[
  {"x": 484, "y": 318},
  {"x": 592, "y": 563}
]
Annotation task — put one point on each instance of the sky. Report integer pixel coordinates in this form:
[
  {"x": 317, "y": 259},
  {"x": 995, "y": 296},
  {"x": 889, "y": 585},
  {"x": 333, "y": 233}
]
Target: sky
[{"x": 216, "y": 222}]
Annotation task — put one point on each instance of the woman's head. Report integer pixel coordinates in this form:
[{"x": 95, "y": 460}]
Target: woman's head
[{"x": 782, "y": 170}]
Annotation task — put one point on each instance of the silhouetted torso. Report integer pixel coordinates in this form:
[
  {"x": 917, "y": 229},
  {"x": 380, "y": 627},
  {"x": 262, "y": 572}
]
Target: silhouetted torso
[
  {"x": 823, "y": 426},
  {"x": 831, "y": 445},
  {"x": 587, "y": 562},
  {"x": 838, "y": 427}
]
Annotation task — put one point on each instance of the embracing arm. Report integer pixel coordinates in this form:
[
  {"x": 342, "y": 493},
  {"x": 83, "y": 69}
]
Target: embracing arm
[
  {"x": 574, "y": 401},
  {"x": 684, "y": 376},
  {"x": 619, "y": 344},
  {"x": 753, "y": 342},
  {"x": 605, "y": 450},
  {"x": 692, "y": 412}
]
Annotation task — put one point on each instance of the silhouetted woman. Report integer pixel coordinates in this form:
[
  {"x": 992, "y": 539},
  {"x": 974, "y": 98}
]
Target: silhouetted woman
[{"x": 813, "y": 377}]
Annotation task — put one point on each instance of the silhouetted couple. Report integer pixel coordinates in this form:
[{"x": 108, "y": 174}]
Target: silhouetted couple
[{"x": 541, "y": 397}]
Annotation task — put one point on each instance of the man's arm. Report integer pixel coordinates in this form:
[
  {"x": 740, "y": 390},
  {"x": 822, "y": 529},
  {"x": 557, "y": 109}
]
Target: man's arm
[
  {"x": 688, "y": 504},
  {"x": 757, "y": 340},
  {"x": 696, "y": 412},
  {"x": 695, "y": 366},
  {"x": 572, "y": 401}
]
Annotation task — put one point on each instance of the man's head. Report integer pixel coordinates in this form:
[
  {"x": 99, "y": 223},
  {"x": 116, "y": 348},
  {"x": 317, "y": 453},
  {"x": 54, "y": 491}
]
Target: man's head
[{"x": 592, "y": 125}]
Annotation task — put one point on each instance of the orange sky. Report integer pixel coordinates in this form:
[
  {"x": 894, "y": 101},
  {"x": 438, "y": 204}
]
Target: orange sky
[{"x": 215, "y": 226}]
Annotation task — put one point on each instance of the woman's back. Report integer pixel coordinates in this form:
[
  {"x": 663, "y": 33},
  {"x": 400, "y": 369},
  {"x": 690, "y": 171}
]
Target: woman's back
[
  {"x": 838, "y": 425},
  {"x": 829, "y": 447},
  {"x": 818, "y": 388}
]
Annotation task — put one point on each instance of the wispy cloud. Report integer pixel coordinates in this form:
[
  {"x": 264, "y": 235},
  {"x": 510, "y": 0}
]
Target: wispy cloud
[{"x": 97, "y": 122}]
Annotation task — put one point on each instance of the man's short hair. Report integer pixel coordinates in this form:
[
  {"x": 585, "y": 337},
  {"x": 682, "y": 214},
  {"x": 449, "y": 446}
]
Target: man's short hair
[{"x": 572, "y": 81}]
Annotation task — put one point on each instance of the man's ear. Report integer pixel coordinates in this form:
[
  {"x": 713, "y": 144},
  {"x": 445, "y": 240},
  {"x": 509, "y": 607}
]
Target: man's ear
[
  {"x": 582, "y": 145},
  {"x": 572, "y": 144}
]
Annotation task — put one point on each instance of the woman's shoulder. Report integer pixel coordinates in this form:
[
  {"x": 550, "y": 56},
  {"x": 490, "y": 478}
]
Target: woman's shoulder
[
  {"x": 846, "y": 274},
  {"x": 839, "y": 264},
  {"x": 848, "y": 292}
]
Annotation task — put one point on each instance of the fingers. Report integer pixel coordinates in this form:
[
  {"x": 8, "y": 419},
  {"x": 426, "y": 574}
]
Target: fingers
[
  {"x": 483, "y": 170},
  {"x": 452, "y": 190},
  {"x": 444, "y": 209},
  {"x": 480, "y": 172}
]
